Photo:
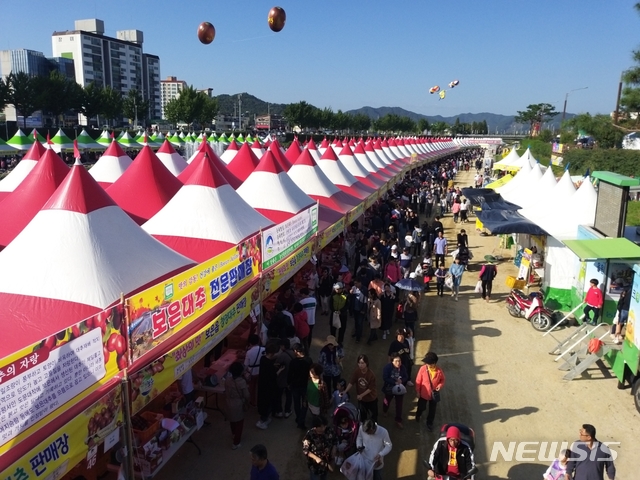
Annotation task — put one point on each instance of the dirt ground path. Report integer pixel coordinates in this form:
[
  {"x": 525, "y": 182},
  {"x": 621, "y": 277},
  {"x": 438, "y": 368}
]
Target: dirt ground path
[{"x": 499, "y": 379}]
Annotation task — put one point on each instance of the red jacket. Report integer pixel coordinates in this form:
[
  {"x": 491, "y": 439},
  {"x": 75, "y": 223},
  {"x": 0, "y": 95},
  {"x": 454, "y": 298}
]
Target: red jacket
[
  {"x": 594, "y": 297},
  {"x": 423, "y": 387}
]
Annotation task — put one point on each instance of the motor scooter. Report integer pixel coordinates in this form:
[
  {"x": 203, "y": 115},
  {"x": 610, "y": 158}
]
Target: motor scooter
[{"x": 530, "y": 307}]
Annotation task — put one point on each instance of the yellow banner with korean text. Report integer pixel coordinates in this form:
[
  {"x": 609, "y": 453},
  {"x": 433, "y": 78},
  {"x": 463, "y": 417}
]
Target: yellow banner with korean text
[
  {"x": 170, "y": 306},
  {"x": 277, "y": 276},
  {"x": 373, "y": 198},
  {"x": 157, "y": 377},
  {"x": 41, "y": 382},
  {"x": 356, "y": 213},
  {"x": 76, "y": 442},
  {"x": 325, "y": 237}
]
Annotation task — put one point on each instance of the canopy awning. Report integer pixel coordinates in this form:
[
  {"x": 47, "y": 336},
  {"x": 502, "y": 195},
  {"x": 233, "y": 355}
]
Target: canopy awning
[
  {"x": 507, "y": 221},
  {"x": 500, "y": 182},
  {"x": 604, "y": 249}
]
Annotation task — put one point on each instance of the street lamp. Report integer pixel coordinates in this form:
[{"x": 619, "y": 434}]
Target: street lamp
[{"x": 566, "y": 97}]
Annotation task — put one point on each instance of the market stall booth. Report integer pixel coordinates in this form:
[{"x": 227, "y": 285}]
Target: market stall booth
[
  {"x": 171, "y": 159},
  {"x": 230, "y": 152},
  {"x": 244, "y": 162}
]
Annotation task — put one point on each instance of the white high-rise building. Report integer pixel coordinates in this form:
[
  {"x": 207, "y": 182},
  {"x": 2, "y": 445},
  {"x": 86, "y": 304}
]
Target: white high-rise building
[
  {"x": 116, "y": 62},
  {"x": 170, "y": 89}
]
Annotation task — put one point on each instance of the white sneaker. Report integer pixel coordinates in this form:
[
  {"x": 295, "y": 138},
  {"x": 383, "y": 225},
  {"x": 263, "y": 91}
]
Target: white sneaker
[
  {"x": 618, "y": 340},
  {"x": 613, "y": 336},
  {"x": 410, "y": 383},
  {"x": 262, "y": 425},
  {"x": 384, "y": 336}
]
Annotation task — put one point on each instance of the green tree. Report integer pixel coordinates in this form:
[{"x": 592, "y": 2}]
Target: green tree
[
  {"x": 111, "y": 104},
  {"x": 173, "y": 111},
  {"x": 326, "y": 118},
  {"x": 91, "y": 101},
  {"x": 208, "y": 109},
  {"x": 423, "y": 125},
  {"x": 134, "y": 107},
  {"x": 439, "y": 128},
  {"x": 484, "y": 128},
  {"x": 535, "y": 115},
  {"x": 301, "y": 114},
  {"x": 4, "y": 94},
  {"x": 361, "y": 122},
  {"x": 600, "y": 127},
  {"x": 23, "y": 95},
  {"x": 545, "y": 136},
  {"x": 58, "y": 94},
  {"x": 630, "y": 99}
]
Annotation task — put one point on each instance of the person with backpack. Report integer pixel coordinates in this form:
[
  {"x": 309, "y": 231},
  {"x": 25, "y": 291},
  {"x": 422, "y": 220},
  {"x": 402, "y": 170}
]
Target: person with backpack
[{"x": 486, "y": 276}]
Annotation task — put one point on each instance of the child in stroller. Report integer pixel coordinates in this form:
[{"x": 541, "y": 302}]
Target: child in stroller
[{"x": 346, "y": 422}]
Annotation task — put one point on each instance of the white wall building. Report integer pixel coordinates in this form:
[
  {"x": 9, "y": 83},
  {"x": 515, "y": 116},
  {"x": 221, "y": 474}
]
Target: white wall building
[
  {"x": 170, "y": 89},
  {"x": 116, "y": 62}
]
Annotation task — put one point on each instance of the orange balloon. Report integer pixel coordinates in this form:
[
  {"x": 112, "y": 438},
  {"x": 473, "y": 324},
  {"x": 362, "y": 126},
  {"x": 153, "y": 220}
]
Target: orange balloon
[
  {"x": 206, "y": 33},
  {"x": 277, "y": 18}
]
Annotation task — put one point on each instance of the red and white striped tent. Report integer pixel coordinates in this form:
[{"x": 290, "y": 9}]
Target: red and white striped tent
[
  {"x": 340, "y": 176},
  {"x": 366, "y": 163},
  {"x": 294, "y": 151},
  {"x": 19, "y": 207},
  {"x": 77, "y": 256},
  {"x": 171, "y": 159},
  {"x": 244, "y": 162},
  {"x": 230, "y": 152},
  {"x": 145, "y": 187},
  {"x": 206, "y": 217},
  {"x": 311, "y": 179},
  {"x": 9, "y": 183},
  {"x": 378, "y": 161},
  {"x": 272, "y": 192},
  {"x": 111, "y": 165},
  {"x": 257, "y": 149},
  {"x": 279, "y": 155},
  {"x": 347, "y": 158},
  {"x": 205, "y": 149}
]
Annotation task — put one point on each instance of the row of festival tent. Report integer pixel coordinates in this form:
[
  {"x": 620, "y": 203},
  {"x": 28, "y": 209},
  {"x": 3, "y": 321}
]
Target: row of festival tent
[
  {"x": 71, "y": 248},
  {"x": 77, "y": 249},
  {"x": 61, "y": 142}
]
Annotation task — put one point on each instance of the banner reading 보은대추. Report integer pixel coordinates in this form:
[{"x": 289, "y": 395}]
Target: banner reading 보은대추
[{"x": 284, "y": 238}]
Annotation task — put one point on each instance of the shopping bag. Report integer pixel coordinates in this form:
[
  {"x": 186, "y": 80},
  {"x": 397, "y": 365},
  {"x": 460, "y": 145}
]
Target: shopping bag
[
  {"x": 448, "y": 281},
  {"x": 357, "y": 467},
  {"x": 479, "y": 287},
  {"x": 616, "y": 318},
  {"x": 335, "y": 322}
]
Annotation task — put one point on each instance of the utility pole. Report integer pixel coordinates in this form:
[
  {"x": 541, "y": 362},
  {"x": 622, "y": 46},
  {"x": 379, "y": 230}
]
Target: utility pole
[
  {"x": 240, "y": 111},
  {"x": 566, "y": 97},
  {"x": 617, "y": 112}
]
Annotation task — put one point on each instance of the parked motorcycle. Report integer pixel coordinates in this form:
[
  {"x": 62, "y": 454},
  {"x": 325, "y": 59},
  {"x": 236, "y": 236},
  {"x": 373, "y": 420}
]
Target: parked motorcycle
[{"x": 530, "y": 307}]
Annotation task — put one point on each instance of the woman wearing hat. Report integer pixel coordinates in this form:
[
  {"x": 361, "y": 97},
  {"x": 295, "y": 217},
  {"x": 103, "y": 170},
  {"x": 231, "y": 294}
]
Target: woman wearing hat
[
  {"x": 395, "y": 378},
  {"x": 486, "y": 276},
  {"x": 331, "y": 360},
  {"x": 338, "y": 303}
]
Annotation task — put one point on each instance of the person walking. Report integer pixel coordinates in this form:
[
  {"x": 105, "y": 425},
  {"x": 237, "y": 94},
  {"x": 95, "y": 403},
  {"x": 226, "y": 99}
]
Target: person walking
[
  {"x": 456, "y": 270},
  {"x": 594, "y": 301},
  {"x": 374, "y": 315},
  {"x": 319, "y": 446},
  {"x": 395, "y": 378},
  {"x": 622, "y": 315},
  {"x": 261, "y": 467},
  {"x": 487, "y": 273},
  {"x": 268, "y": 385},
  {"x": 325, "y": 288},
  {"x": 589, "y": 459},
  {"x": 400, "y": 346},
  {"x": 252, "y": 364},
  {"x": 440, "y": 247},
  {"x": 374, "y": 444},
  {"x": 284, "y": 359},
  {"x": 410, "y": 310},
  {"x": 338, "y": 303},
  {"x": 301, "y": 323},
  {"x": 365, "y": 383},
  {"x": 359, "y": 303},
  {"x": 318, "y": 394},
  {"x": 298, "y": 378},
  {"x": 388, "y": 301},
  {"x": 330, "y": 358},
  {"x": 237, "y": 394},
  {"x": 441, "y": 274},
  {"x": 429, "y": 382},
  {"x": 309, "y": 303}
]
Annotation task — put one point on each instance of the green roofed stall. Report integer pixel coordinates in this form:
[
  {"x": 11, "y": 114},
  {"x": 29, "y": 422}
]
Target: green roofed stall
[
  {"x": 604, "y": 249},
  {"x": 616, "y": 179}
]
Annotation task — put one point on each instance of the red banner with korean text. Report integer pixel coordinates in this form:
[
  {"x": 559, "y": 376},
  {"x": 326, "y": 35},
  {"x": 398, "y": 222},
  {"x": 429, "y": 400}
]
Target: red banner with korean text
[
  {"x": 172, "y": 305},
  {"x": 41, "y": 382}
]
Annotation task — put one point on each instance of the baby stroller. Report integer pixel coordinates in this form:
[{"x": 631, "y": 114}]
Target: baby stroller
[{"x": 346, "y": 422}]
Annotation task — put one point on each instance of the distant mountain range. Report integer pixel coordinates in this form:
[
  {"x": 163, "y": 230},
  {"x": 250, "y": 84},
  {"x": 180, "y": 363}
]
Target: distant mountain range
[{"x": 501, "y": 123}]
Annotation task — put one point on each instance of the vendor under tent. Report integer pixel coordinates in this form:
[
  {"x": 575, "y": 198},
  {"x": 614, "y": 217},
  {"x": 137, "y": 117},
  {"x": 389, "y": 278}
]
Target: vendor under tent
[
  {"x": 16, "y": 176},
  {"x": 87, "y": 252},
  {"x": 145, "y": 187},
  {"x": 20, "y": 141},
  {"x": 244, "y": 162},
  {"x": 19, "y": 208},
  {"x": 206, "y": 217},
  {"x": 171, "y": 159},
  {"x": 111, "y": 165}
]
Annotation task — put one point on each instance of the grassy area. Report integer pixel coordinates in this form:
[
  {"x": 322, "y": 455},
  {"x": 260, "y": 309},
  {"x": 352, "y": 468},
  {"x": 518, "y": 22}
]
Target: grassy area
[{"x": 633, "y": 213}]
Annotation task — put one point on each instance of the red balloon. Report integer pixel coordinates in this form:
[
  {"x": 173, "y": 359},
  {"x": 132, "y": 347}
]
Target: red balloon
[
  {"x": 277, "y": 18},
  {"x": 206, "y": 33}
]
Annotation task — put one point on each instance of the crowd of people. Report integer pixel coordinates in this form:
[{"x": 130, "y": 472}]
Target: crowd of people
[{"x": 357, "y": 293}]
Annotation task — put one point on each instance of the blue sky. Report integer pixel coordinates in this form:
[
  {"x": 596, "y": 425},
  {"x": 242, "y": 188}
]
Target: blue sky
[{"x": 346, "y": 54}]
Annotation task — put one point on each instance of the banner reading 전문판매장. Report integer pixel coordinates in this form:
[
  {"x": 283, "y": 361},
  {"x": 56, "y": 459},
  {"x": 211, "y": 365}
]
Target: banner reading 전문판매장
[{"x": 168, "y": 307}]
